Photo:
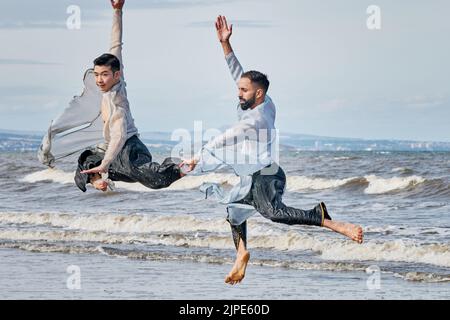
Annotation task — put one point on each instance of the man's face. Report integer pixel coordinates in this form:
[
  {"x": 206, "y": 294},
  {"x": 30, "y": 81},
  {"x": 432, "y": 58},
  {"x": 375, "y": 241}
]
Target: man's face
[
  {"x": 105, "y": 78},
  {"x": 248, "y": 93}
]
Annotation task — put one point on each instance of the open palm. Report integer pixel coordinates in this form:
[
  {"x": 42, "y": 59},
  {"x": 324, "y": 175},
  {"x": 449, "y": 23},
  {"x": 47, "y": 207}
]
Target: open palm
[
  {"x": 223, "y": 30},
  {"x": 117, "y": 4}
]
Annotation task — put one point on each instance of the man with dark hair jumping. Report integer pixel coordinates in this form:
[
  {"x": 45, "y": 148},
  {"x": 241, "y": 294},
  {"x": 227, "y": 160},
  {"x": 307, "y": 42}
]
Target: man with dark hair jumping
[
  {"x": 123, "y": 156},
  {"x": 262, "y": 182}
]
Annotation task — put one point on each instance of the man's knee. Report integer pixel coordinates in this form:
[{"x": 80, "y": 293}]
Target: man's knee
[{"x": 268, "y": 211}]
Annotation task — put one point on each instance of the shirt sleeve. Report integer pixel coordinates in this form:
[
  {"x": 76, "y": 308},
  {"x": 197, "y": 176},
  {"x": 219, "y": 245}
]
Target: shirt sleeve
[
  {"x": 118, "y": 133},
  {"x": 230, "y": 137},
  {"x": 116, "y": 38},
  {"x": 234, "y": 65}
]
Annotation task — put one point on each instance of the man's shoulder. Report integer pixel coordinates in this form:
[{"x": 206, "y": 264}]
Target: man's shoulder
[{"x": 121, "y": 100}]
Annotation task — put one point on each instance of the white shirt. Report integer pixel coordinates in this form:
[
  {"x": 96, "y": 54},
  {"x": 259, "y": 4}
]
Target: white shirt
[{"x": 244, "y": 153}]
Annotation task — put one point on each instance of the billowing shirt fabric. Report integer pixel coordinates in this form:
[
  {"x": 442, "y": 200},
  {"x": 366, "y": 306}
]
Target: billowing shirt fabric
[{"x": 247, "y": 147}]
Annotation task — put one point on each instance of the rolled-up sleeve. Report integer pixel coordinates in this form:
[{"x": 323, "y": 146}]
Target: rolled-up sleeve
[
  {"x": 116, "y": 38},
  {"x": 235, "y": 66}
]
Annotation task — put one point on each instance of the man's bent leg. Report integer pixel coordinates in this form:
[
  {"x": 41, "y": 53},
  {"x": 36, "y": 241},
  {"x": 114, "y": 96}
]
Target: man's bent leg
[
  {"x": 157, "y": 176},
  {"x": 136, "y": 162},
  {"x": 267, "y": 194}
]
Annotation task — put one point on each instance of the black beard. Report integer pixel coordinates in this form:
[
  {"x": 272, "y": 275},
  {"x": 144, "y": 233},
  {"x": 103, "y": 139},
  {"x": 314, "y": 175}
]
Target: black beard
[{"x": 247, "y": 104}]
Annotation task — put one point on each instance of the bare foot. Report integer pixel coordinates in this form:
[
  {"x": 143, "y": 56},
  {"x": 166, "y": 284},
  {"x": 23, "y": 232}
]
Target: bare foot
[
  {"x": 350, "y": 230},
  {"x": 237, "y": 273},
  {"x": 99, "y": 183}
]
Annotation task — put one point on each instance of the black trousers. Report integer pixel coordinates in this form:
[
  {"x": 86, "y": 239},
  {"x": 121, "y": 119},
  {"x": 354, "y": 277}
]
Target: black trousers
[
  {"x": 265, "y": 196},
  {"x": 133, "y": 164}
]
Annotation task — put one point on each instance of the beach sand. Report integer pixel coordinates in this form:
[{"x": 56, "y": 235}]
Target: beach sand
[{"x": 29, "y": 275}]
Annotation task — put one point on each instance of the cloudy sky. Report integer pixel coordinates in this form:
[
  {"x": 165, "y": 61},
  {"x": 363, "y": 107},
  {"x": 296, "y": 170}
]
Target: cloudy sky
[{"x": 330, "y": 75}]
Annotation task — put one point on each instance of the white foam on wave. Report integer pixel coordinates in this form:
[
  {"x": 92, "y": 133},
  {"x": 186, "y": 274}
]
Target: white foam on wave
[
  {"x": 54, "y": 175},
  {"x": 379, "y": 185},
  {"x": 425, "y": 277},
  {"x": 334, "y": 250},
  {"x": 407, "y": 230},
  {"x": 343, "y": 158},
  {"x": 397, "y": 250},
  {"x": 184, "y": 231},
  {"x": 296, "y": 183},
  {"x": 113, "y": 223},
  {"x": 339, "y": 250},
  {"x": 188, "y": 182}
]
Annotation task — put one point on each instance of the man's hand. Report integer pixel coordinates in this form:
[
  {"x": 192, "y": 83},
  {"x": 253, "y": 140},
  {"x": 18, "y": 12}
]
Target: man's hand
[
  {"x": 190, "y": 163},
  {"x": 98, "y": 169},
  {"x": 117, "y": 4},
  {"x": 224, "y": 31}
]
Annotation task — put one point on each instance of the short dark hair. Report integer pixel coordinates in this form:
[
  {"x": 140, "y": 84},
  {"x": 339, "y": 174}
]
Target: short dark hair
[
  {"x": 257, "y": 77},
  {"x": 108, "y": 59}
]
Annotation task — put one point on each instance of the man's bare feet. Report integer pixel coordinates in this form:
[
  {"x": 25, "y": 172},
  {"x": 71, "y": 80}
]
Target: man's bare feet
[
  {"x": 99, "y": 183},
  {"x": 237, "y": 273},
  {"x": 350, "y": 230}
]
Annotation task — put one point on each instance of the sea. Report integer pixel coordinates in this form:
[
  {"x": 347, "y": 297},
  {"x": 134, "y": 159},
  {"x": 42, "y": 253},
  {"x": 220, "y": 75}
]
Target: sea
[{"x": 57, "y": 242}]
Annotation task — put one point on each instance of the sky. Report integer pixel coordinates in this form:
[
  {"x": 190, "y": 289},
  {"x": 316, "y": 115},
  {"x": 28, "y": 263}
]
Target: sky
[{"x": 330, "y": 74}]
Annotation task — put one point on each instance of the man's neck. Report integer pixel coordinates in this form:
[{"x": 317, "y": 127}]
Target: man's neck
[
  {"x": 115, "y": 84},
  {"x": 258, "y": 103}
]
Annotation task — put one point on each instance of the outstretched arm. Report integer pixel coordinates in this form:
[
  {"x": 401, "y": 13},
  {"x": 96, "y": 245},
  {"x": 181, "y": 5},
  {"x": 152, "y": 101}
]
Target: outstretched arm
[
  {"x": 233, "y": 135},
  {"x": 224, "y": 32},
  {"x": 116, "y": 33}
]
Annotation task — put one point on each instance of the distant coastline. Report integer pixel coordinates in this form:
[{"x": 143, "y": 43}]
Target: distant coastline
[{"x": 25, "y": 141}]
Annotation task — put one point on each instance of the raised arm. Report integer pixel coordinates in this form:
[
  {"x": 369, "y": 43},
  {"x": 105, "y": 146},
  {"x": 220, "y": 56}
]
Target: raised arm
[
  {"x": 116, "y": 33},
  {"x": 224, "y": 33}
]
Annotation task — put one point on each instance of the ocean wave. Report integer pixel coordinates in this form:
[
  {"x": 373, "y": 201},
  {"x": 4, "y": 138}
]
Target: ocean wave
[
  {"x": 188, "y": 182},
  {"x": 407, "y": 231},
  {"x": 372, "y": 183},
  {"x": 297, "y": 183},
  {"x": 214, "y": 259},
  {"x": 214, "y": 233},
  {"x": 114, "y": 223},
  {"x": 403, "y": 170},
  {"x": 379, "y": 185},
  {"x": 397, "y": 250},
  {"x": 54, "y": 175},
  {"x": 425, "y": 277},
  {"x": 436, "y": 187}
]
